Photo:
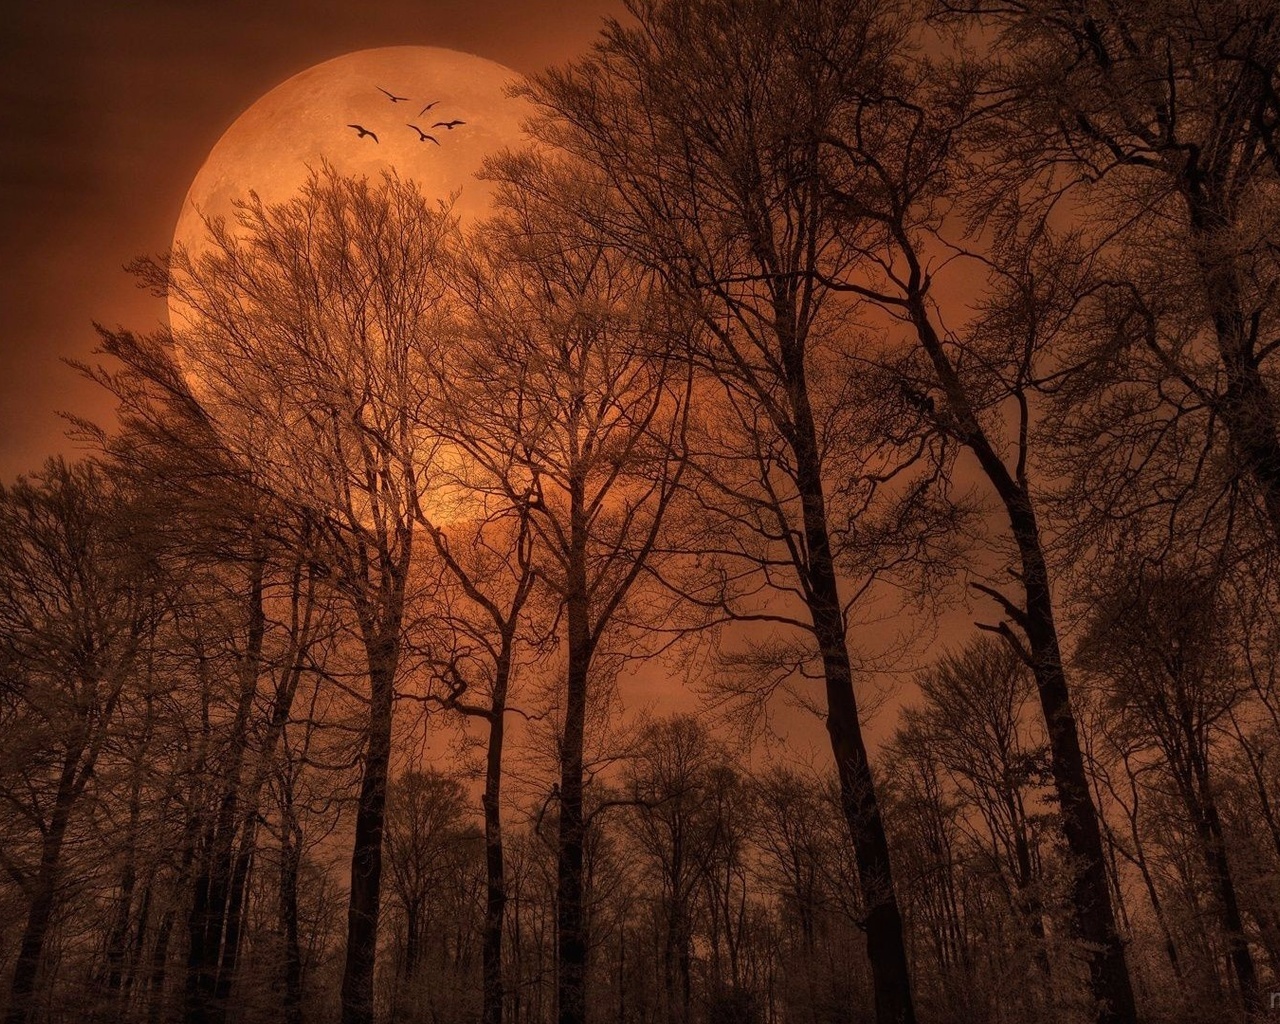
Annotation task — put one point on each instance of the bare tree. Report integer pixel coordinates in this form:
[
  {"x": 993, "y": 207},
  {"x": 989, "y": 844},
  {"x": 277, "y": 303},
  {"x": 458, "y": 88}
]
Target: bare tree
[
  {"x": 673, "y": 778},
  {"x": 1160, "y": 121},
  {"x": 707, "y": 122},
  {"x": 306, "y": 332},
  {"x": 488, "y": 554},
  {"x": 566, "y": 372},
  {"x": 76, "y": 609},
  {"x": 1155, "y": 638},
  {"x": 975, "y": 703}
]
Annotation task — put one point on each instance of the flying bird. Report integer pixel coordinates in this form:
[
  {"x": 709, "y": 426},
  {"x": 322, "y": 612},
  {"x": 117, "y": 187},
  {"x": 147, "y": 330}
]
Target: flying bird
[
  {"x": 422, "y": 136},
  {"x": 427, "y": 107},
  {"x": 450, "y": 125},
  {"x": 363, "y": 131},
  {"x": 390, "y": 95}
]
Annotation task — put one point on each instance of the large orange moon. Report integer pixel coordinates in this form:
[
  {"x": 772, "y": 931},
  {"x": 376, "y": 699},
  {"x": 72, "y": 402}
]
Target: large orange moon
[{"x": 272, "y": 147}]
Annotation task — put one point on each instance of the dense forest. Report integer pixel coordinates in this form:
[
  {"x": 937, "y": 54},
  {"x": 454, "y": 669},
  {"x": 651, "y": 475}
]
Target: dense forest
[{"x": 802, "y": 332}]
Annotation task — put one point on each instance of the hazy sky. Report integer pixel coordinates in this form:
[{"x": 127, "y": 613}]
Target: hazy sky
[{"x": 107, "y": 109}]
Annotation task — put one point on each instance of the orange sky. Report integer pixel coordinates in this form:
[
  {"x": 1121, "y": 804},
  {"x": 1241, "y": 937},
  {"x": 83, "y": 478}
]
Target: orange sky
[{"x": 107, "y": 111}]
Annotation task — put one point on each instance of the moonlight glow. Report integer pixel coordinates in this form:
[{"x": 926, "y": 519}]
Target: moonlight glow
[{"x": 272, "y": 146}]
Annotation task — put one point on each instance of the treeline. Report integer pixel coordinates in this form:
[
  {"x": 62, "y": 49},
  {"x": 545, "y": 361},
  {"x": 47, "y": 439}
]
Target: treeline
[{"x": 802, "y": 326}]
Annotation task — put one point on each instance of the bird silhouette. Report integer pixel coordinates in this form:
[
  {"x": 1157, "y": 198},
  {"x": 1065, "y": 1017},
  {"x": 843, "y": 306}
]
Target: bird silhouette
[
  {"x": 423, "y": 136},
  {"x": 427, "y": 107},
  {"x": 363, "y": 131},
  {"x": 390, "y": 95},
  {"x": 450, "y": 125}
]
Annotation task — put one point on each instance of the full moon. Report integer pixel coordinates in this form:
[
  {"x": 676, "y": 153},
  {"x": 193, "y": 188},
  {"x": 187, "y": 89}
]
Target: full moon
[
  {"x": 457, "y": 99},
  {"x": 272, "y": 147}
]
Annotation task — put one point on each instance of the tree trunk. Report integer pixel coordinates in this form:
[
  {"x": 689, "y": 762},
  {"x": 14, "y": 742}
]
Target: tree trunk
[
  {"x": 495, "y": 868},
  {"x": 121, "y": 953},
  {"x": 239, "y": 892},
  {"x": 118, "y": 937},
  {"x": 290, "y": 863},
  {"x": 1208, "y": 826},
  {"x": 1109, "y": 979},
  {"x": 366, "y": 855},
  {"x": 27, "y": 967},
  {"x": 207, "y": 920},
  {"x": 412, "y": 937},
  {"x": 886, "y": 945},
  {"x": 571, "y": 939},
  {"x": 44, "y": 891},
  {"x": 1095, "y": 918},
  {"x": 156, "y": 981}
]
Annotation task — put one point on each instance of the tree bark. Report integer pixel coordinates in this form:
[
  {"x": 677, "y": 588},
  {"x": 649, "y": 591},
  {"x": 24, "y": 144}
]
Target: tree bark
[
  {"x": 495, "y": 868},
  {"x": 886, "y": 944},
  {"x": 571, "y": 938},
  {"x": 1109, "y": 979},
  {"x": 366, "y": 855}
]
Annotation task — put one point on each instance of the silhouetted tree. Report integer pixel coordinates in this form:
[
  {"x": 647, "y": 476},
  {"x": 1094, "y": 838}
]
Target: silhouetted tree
[
  {"x": 565, "y": 370},
  {"x": 307, "y": 327},
  {"x": 77, "y": 605}
]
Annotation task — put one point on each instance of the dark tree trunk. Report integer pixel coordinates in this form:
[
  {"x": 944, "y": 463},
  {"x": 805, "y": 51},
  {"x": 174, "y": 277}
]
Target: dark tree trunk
[
  {"x": 207, "y": 920},
  {"x": 1109, "y": 979},
  {"x": 118, "y": 936},
  {"x": 495, "y": 868},
  {"x": 1207, "y": 822},
  {"x": 158, "y": 976},
  {"x": 27, "y": 967},
  {"x": 290, "y": 863},
  {"x": 239, "y": 891},
  {"x": 366, "y": 855},
  {"x": 571, "y": 938},
  {"x": 413, "y": 938},
  {"x": 121, "y": 953},
  {"x": 134, "y": 956},
  {"x": 44, "y": 891},
  {"x": 886, "y": 944},
  {"x": 157, "y": 980}
]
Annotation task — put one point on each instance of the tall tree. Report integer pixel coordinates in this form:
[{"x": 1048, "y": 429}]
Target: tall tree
[
  {"x": 485, "y": 542},
  {"x": 307, "y": 326},
  {"x": 77, "y": 604},
  {"x": 897, "y": 165},
  {"x": 1155, "y": 639},
  {"x": 706, "y": 120},
  {"x": 565, "y": 371},
  {"x": 241, "y": 567}
]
